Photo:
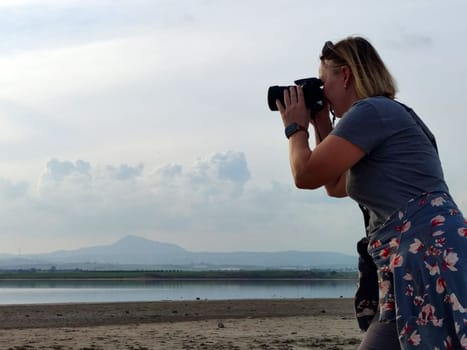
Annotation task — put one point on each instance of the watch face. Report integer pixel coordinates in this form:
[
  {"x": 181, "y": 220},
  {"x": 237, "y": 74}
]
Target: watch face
[{"x": 291, "y": 129}]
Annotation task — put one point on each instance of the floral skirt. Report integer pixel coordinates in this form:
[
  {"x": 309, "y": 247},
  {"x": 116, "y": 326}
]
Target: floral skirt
[{"x": 421, "y": 256}]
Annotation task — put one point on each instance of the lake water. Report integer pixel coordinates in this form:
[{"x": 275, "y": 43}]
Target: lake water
[{"x": 38, "y": 292}]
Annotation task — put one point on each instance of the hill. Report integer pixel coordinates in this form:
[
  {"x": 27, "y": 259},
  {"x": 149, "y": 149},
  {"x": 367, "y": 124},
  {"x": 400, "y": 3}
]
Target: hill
[{"x": 134, "y": 252}]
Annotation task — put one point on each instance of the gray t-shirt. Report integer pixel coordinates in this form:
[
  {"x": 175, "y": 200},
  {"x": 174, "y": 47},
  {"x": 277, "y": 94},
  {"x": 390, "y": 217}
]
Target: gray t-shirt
[{"x": 400, "y": 161}]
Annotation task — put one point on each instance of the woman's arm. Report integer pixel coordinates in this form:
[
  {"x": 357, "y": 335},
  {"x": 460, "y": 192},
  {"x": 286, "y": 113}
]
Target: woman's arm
[
  {"x": 323, "y": 127},
  {"x": 327, "y": 164}
]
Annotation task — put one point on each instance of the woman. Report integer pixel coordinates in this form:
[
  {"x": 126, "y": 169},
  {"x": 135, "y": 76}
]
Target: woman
[{"x": 382, "y": 155}]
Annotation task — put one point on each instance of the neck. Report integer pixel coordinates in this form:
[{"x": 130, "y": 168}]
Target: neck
[{"x": 347, "y": 102}]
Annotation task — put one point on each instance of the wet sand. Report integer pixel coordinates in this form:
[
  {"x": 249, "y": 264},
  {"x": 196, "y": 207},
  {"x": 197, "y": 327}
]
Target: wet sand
[{"x": 228, "y": 324}]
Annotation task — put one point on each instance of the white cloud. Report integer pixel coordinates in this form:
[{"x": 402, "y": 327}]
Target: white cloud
[
  {"x": 57, "y": 170},
  {"x": 125, "y": 171}
]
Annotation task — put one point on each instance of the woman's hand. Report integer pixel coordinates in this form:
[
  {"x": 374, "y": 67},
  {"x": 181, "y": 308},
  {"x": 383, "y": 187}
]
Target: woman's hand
[{"x": 295, "y": 109}]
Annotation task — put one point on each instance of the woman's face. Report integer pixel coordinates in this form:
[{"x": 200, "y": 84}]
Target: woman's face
[{"x": 335, "y": 86}]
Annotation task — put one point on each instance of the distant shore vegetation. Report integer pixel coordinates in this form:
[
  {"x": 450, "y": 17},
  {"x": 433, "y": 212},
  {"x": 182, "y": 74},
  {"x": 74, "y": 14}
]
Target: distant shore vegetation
[{"x": 269, "y": 274}]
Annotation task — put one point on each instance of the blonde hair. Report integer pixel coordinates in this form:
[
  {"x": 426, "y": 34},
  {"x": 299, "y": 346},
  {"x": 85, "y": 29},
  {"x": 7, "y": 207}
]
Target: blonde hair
[{"x": 371, "y": 76}]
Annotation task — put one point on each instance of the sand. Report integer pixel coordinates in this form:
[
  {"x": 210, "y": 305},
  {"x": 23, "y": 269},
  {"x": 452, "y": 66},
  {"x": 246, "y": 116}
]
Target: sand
[{"x": 232, "y": 324}]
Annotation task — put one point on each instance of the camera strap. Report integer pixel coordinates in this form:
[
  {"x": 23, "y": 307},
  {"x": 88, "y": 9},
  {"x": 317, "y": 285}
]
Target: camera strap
[{"x": 421, "y": 124}]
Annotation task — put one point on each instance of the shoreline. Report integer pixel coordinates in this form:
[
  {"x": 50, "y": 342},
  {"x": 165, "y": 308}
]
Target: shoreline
[
  {"x": 21, "y": 316},
  {"x": 274, "y": 324}
]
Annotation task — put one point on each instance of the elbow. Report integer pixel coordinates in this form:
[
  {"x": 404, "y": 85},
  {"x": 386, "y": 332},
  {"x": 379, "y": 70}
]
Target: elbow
[
  {"x": 305, "y": 183},
  {"x": 335, "y": 194},
  {"x": 336, "y": 191}
]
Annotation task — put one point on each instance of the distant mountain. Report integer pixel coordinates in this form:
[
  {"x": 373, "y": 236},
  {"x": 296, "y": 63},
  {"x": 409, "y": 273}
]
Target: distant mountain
[
  {"x": 128, "y": 250},
  {"x": 141, "y": 253}
]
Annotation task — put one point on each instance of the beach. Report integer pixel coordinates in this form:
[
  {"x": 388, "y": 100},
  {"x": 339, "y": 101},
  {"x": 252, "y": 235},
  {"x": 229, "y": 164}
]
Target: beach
[{"x": 199, "y": 324}]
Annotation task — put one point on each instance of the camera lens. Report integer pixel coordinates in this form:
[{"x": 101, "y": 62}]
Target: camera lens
[{"x": 275, "y": 93}]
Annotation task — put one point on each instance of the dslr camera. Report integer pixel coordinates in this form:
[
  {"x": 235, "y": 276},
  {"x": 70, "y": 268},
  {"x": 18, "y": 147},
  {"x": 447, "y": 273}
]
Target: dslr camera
[{"x": 312, "y": 91}]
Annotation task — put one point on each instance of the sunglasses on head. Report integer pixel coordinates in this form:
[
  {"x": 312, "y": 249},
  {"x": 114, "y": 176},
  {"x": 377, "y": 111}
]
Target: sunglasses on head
[
  {"x": 329, "y": 52},
  {"x": 328, "y": 49}
]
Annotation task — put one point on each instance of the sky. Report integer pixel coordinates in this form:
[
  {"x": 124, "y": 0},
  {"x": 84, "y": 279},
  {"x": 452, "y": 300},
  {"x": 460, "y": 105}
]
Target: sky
[{"x": 149, "y": 117}]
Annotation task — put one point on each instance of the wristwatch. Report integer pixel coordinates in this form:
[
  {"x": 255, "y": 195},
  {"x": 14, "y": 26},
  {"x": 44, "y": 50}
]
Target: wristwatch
[{"x": 293, "y": 128}]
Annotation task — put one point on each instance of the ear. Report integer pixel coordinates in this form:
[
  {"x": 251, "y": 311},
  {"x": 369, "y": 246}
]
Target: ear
[{"x": 346, "y": 74}]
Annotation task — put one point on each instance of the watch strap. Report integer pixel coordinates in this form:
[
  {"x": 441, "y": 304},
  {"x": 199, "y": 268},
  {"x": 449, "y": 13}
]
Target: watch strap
[{"x": 294, "y": 128}]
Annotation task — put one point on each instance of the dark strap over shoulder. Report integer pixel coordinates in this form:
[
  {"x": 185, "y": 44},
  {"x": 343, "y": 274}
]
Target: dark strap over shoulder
[{"x": 422, "y": 125}]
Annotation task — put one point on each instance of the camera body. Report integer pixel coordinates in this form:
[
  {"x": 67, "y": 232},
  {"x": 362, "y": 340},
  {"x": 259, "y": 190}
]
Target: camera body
[{"x": 312, "y": 90}]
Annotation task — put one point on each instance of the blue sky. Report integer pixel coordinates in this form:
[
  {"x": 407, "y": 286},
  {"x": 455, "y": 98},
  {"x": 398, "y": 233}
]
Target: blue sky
[{"x": 150, "y": 118}]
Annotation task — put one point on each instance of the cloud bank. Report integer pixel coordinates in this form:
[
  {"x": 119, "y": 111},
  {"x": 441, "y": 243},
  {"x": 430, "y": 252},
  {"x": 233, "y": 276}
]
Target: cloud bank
[{"x": 206, "y": 205}]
